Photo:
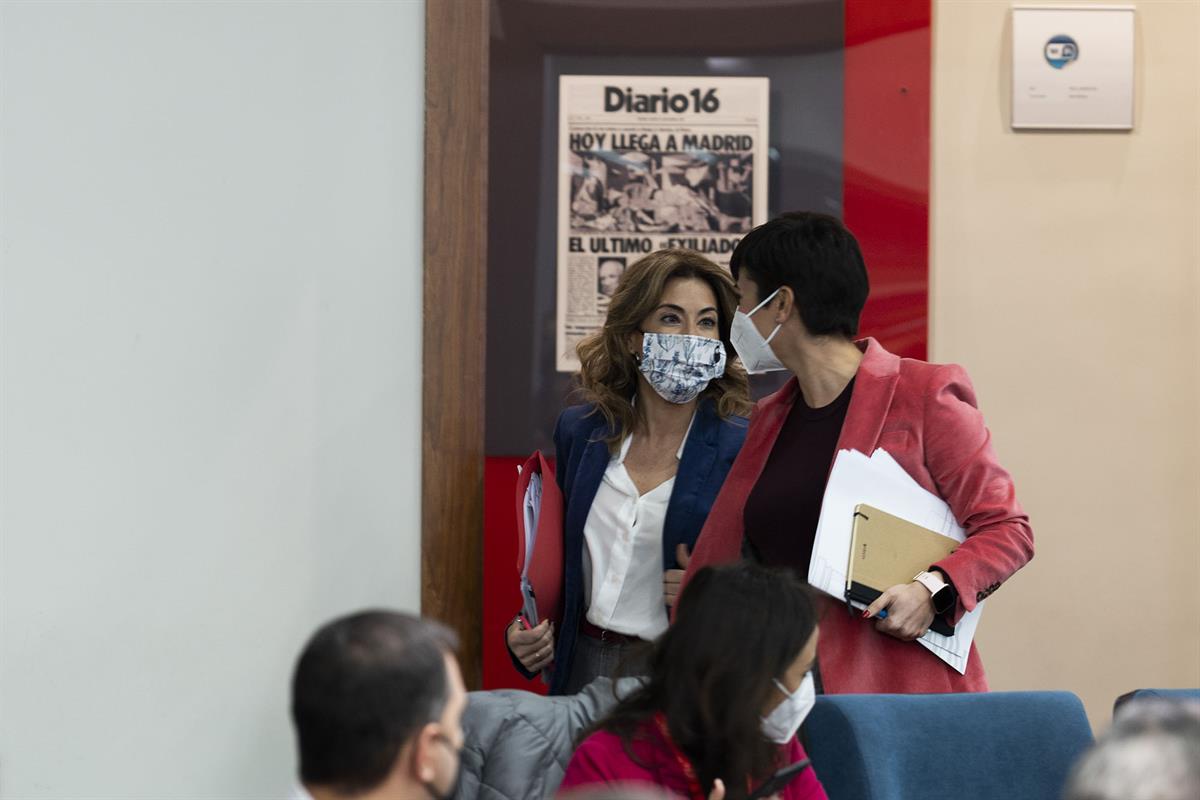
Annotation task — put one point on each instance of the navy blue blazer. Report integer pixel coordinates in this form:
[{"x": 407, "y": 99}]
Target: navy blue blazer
[{"x": 581, "y": 460}]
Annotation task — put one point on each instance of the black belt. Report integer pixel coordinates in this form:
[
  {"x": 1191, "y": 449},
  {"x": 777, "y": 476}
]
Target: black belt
[{"x": 605, "y": 635}]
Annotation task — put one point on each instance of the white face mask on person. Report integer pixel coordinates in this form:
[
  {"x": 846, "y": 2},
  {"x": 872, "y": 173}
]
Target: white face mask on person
[
  {"x": 680, "y": 367},
  {"x": 782, "y": 723},
  {"x": 754, "y": 351}
]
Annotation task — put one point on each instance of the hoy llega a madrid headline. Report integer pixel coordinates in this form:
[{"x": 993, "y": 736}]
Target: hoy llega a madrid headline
[{"x": 653, "y": 143}]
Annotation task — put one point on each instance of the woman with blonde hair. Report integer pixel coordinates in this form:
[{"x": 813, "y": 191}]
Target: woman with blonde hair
[{"x": 639, "y": 464}]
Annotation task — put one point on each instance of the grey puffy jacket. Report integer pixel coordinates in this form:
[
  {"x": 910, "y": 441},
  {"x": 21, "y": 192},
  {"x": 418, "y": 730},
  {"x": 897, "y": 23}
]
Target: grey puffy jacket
[{"x": 518, "y": 743}]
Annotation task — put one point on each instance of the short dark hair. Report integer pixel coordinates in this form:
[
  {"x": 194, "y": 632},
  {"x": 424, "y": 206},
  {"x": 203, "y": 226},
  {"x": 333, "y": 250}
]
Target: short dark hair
[
  {"x": 364, "y": 685},
  {"x": 736, "y": 628},
  {"x": 817, "y": 257}
]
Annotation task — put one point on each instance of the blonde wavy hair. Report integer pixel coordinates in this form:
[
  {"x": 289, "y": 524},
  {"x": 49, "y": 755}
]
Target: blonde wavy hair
[{"x": 608, "y": 373}]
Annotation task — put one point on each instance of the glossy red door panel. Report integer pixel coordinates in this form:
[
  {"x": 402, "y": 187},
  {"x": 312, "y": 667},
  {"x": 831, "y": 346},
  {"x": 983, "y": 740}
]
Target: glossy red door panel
[{"x": 885, "y": 169}]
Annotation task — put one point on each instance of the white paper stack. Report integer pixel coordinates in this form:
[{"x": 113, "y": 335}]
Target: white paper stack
[
  {"x": 881, "y": 482},
  {"x": 532, "y": 508}
]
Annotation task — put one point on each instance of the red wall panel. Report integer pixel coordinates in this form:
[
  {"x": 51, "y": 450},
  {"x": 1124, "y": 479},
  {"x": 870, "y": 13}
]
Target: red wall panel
[{"x": 886, "y": 163}]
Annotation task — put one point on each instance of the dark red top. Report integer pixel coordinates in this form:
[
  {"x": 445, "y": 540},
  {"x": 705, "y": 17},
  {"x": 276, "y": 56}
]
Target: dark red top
[{"x": 781, "y": 513}]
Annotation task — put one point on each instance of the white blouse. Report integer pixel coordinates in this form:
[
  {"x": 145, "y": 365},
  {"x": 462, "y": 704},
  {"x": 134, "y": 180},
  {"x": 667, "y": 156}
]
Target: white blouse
[{"x": 623, "y": 558}]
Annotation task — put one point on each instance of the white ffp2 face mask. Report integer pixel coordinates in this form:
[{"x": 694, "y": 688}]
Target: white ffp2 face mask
[
  {"x": 782, "y": 723},
  {"x": 754, "y": 351},
  {"x": 680, "y": 367}
]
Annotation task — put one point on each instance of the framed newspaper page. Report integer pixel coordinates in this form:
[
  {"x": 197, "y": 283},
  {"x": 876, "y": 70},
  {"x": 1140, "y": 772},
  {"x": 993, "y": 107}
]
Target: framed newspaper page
[{"x": 647, "y": 162}]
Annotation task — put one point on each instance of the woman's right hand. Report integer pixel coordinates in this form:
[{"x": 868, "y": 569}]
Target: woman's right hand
[
  {"x": 534, "y": 648},
  {"x": 718, "y": 790}
]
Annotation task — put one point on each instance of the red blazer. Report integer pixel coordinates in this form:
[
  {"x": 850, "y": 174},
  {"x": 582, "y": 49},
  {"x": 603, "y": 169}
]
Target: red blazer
[{"x": 926, "y": 416}]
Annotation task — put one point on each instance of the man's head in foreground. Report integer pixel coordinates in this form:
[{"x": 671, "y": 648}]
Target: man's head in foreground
[{"x": 377, "y": 701}]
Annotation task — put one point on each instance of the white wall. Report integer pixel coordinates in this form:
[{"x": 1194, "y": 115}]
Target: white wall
[
  {"x": 1066, "y": 278},
  {"x": 211, "y": 359}
]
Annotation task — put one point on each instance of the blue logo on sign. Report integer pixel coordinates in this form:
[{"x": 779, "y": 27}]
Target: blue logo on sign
[{"x": 1061, "y": 50}]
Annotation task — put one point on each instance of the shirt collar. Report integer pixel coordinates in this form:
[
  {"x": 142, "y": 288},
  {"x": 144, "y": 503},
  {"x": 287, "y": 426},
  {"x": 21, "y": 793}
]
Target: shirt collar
[
  {"x": 686, "y": 434},
  {"x": 628, "y": 440}
]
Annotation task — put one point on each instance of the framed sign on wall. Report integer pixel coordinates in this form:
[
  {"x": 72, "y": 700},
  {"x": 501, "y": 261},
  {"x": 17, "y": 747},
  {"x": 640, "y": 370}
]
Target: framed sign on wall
[{"x": 1073, "y": 67}]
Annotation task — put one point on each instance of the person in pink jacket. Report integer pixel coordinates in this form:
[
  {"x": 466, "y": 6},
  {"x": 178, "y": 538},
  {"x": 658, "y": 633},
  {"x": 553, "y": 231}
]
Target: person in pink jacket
[
  {"x": 729, "y": 685},
  {"x": 803, "y": 284}
]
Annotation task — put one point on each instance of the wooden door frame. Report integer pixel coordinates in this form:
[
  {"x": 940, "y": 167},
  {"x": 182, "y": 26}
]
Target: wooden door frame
[{"x": 454, "y": 321}]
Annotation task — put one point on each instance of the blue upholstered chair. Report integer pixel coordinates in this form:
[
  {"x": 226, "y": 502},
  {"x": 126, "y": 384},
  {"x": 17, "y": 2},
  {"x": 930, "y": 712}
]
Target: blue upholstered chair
[
  {"x": 1156, "y": 694},
  {"x": 1000, "y": 745}
]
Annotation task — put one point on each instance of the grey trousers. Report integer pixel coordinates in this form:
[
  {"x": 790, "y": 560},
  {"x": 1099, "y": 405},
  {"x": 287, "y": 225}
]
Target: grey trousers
[{"x": 596, "y": 659}]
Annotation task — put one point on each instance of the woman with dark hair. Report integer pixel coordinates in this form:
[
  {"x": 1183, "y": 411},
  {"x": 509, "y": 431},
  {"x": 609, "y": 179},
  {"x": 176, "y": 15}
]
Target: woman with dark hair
[
  {"x": 728, "y": 688},
  {"x": 803, "y": 285},
  {"x": 639, "y": 464}
]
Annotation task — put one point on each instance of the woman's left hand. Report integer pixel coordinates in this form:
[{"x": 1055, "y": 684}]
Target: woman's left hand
[
  {"x": 909, "y": 611},
  {"x": 673, "y": 578}
]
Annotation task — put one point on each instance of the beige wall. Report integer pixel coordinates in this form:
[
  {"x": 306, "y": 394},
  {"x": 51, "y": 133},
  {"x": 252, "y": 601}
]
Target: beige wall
[{"x": 1066, "y": 278}]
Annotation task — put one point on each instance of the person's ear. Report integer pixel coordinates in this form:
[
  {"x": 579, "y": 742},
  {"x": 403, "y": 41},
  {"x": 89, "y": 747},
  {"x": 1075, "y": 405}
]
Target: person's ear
[
  {"x": 633, "y": 345},
  {"x": 785, "y": 301},
  {"x": 424, "y": 752}
]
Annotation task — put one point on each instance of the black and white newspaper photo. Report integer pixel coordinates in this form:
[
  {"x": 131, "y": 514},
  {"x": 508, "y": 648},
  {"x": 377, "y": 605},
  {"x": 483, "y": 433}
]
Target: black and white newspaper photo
[{"x": 645, "y": 163}]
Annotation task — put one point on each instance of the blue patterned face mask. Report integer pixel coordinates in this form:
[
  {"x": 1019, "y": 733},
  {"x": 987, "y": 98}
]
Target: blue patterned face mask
[{"x": 679, "y": 367}]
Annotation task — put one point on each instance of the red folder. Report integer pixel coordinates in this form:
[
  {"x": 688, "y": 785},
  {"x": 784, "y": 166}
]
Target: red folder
[{"x": 546, "y": 561}]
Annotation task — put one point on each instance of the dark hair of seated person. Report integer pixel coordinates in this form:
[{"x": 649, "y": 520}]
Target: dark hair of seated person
[
  {"x": 363, "y": 687},
  {"x": 736, "y": 628}
]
